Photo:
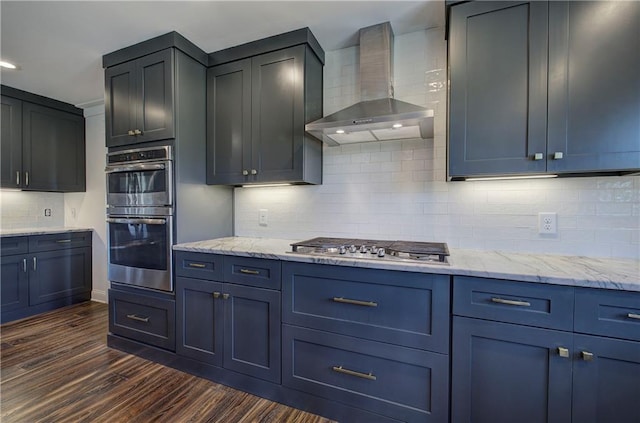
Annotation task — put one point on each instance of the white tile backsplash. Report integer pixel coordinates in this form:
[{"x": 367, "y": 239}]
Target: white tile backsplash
[
  {"x": 25, "y": 209},
  {"x": 397, "y": 189}
]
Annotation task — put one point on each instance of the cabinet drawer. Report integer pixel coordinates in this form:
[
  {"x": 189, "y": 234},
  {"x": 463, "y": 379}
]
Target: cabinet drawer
[
  {"x": 608, "y": 313},
  {"x": 403, "y": 308},
  {"x": 199, "y": 265},
  {"x": 523, "y": 303},
  {"x": 59, "y": 241},
  {"x": 142, "y": 318},
  {"x": 256, "y": 272},
  {"x": 403, "y": 383},
  {"x": 10, "y": 245}
]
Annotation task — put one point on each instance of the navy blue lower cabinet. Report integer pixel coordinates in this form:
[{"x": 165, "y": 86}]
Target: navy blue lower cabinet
[
  {"x": 199, "y": 320},
  {"x": 402, "y": 383},
  {"x": 510, "y": 373},
  {"x": 606, "y": 380},
  {"x": 14, "y": 283}
]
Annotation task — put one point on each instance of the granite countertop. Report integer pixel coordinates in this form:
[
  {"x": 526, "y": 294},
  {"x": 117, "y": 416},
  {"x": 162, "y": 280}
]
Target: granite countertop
[
  {"x": 40, "y": 231},
  {"x": 620, "y": 274}
]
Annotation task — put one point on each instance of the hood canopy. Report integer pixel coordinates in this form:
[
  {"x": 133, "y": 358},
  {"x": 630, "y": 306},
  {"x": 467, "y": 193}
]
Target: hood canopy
[{"x": 378, "y": 117}]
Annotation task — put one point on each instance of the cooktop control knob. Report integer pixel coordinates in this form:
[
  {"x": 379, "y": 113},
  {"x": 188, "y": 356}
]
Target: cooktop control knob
[
  {"x": 374, "y": 249},
  {"x": 363, "y": 249},
  {"x": 353, "y": 249},
  {"x": 342, "y": 249},
  {"x": 381, "y": 252}
]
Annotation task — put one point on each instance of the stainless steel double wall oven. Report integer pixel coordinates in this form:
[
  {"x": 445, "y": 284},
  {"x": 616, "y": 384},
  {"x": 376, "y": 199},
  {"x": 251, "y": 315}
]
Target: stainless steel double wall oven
[{"x": 140, "y": 216}]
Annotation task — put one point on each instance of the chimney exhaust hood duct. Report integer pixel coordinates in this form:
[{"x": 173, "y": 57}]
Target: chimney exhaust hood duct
[{"x": 379, "y": 116}]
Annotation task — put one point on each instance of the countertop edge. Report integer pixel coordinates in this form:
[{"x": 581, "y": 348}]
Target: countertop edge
[{"x": 4, "y": 233}]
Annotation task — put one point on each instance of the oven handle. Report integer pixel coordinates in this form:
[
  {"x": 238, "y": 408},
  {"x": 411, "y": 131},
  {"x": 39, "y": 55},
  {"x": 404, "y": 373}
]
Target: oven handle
[
  {"x": 136, "y": 220},
  {"x": 135, "y": 167}
]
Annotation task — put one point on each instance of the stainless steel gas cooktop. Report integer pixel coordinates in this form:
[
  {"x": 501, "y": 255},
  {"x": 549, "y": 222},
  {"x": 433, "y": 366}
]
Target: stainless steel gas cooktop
[{"x": 408, "y": 251}]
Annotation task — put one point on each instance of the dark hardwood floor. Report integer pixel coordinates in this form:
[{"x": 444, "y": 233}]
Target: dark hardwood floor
[{"x": 56, "y": 367}]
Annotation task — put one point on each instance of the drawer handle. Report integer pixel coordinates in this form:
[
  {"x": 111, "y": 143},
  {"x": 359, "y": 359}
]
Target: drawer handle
[
  {"x": 511, "y": 302},
  {"x": 63, "y": 240},
  {"x": 249, "y": 272},
  {"x": 634, "y": 316},
  {"x": 355, "y": 302},
  {"x": 563, "y": 352},
  {"x": 138, "y": 318},
  {"x": 198, "y": 265},
  {"x": 587, "y": 356},
  {"x": 340, "y": 369}
]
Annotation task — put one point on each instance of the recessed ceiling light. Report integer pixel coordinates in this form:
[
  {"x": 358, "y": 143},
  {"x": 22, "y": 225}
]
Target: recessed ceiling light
[
  {"x": 340, "y": 131},
  {"x": 7, "y": 65},
  {"x": 397, "y": 125}
]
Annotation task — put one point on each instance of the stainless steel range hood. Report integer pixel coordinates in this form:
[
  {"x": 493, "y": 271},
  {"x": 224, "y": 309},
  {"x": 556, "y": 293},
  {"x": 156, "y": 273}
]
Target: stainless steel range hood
[{"x": 379, "y": 116}]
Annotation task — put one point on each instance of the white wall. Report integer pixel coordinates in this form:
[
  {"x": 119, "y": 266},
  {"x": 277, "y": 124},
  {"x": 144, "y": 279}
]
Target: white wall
[{"x": 397, "y": 190}]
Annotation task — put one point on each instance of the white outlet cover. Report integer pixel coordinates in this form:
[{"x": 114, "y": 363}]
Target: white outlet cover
[
  {"x": 263, "y": 217},
  {"x": 547, "y": 223}
]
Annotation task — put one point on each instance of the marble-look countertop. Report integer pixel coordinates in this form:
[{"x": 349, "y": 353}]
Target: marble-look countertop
[
  {"x": 40, "y": 231},
  {"x": 620, "y": 274}
]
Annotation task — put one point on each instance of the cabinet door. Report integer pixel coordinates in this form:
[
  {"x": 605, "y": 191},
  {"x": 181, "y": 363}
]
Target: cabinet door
[
  {"x": 14, "y": 283},
  {"x": 509, "y": 373},
  {"x": 229, "y": 123},
  {"x": 606, "y": 384},
  {"x": 59, "y": 274},
  {"x": 53, "y": 149},
  {"x": 154, "y": 91},
  {"x": 120, "y": 103},
  {"x": 277, "y": 104},
  {"x": 200, "y": 315},
  {"x": 498, "y": 100},
  {"x": 11, "y": 143},
  {"x": 594, "y": 88},
  {"x": 252, "y": 331}
]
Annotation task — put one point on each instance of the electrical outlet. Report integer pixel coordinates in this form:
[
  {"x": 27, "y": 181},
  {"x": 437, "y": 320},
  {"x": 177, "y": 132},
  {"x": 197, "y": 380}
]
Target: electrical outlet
[
  {"x": 547, "y": 223},
  {"x": 74, "y": 214},
  {"x": 47, "y": 212},
  {"x": 263, "y": 217}
]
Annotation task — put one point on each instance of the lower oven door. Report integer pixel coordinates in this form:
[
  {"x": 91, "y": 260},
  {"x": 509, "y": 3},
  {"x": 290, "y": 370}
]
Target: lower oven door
[{"x": 140, "y": 251}]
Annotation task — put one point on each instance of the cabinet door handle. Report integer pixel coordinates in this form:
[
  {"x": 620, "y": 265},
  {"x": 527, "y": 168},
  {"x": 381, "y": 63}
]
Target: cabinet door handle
[
  {"x": 355, "y": 302},
  {"x": 634, "y": 316},
  {"x": 340, "y": 369},
  {"x": 138, "y": 318},
  {"x": 26, "y": 179},
  {"x": 137, "y": 132},
  {"x": 225, "y": 296},
  {"x": 198, "y": 265},
  {"x": 245, "y": 172},
  {"x": 18, "y": 177},
  {"x": 538, "y": 156},
  {"x": 35, "y": 264},
  {"x": 563, "y": 352},
  {"x": 254, "y": 172},
  {"x": 131, "y": 133},
  {"x": 24, "y": 265},
  {"x": 62, "y": 241},
  {"x": 511, "y": 302},
  {"x": 587, "y": 356},
  {"x": 216, "y": 295},
  {"x": 558, "y": 155},
  {"x": 249, "y": 272}
]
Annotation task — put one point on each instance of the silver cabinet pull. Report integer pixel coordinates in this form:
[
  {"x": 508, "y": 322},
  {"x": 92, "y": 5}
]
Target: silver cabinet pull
[
  {"x": 249, "y": 272},
  {"x": 138, "y": 318},
  {"x": 538, "y": 156},
  {"x": 355, "y": 302},
  {"x": 198, "y": 265},
  {"x": 216, "y": 295},
  {"x": 17, "y": 177},
  {"x": 225, "y": 296},
  {"x": 26, "y": 179},
  {"x": 254, "y": 172},
  {"x": 245, "y": 172},
  {"x": 634, "y": 316},
  {"x": 563, "y": 352},
  {"x": 558, "y": 155},
  {"x": 511, "y": 302},
  {"x": 35, "y": 264},
  {"x": 137, "y": 132},
  {"x": 24, "y": 265},
  {"x": 62, "y": 241},
  {"x": 340, "y": 369},
  {"x": 131, "y": 133},
  {"x": 587, "y": 356}
]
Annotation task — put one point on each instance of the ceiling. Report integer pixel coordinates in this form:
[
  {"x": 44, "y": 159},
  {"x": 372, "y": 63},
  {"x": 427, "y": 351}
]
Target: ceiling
[{"x": 58, "y": 45}]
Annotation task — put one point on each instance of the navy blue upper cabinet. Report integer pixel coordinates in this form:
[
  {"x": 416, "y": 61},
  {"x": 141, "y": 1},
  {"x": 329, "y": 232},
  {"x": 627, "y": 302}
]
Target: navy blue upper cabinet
[
  {"x": 540, "y": 87},
  {"x": 139, "y": 99},
  {"x": 11, "y": 153},
  {"x": 257, "y": 107}
]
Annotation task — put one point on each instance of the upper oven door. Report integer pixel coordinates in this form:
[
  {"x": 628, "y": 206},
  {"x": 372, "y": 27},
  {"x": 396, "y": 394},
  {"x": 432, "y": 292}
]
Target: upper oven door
[{"x": 140, "y": 184}]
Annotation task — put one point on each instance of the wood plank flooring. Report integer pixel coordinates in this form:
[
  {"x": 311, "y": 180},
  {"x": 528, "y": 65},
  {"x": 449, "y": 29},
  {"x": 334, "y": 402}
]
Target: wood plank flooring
[{"x": 56, "y": 367}]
